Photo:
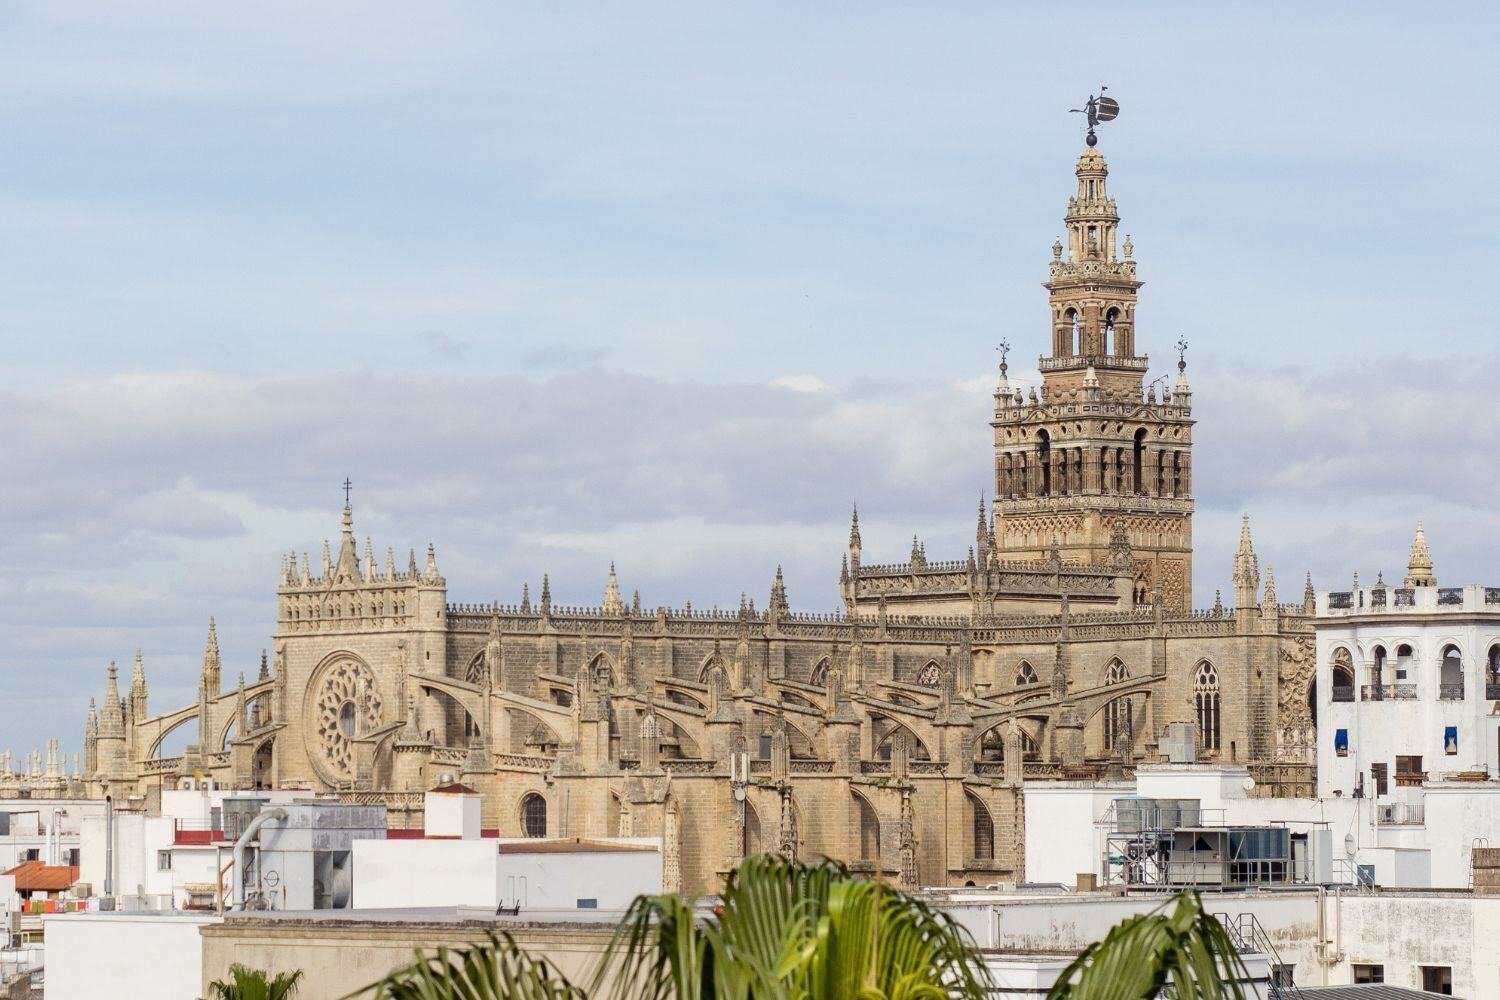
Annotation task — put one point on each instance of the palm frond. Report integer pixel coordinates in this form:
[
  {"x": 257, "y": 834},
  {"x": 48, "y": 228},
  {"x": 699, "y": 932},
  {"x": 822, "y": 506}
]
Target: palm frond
[
  {"x": 1186, "y": 950},
  {"x": 498, "y": 969}
]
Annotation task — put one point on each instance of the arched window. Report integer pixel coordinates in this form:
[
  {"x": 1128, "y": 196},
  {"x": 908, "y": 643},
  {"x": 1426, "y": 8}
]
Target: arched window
[
  {"x": 1138, "y": 459},
  {"x": 869, "y": 830},
  {"x": 992, "y": 746},
  {"x": 1117, "y": 712},
  {"x": 1377, "y": 666},
  {"x": 1403, "y": 661},
  {"x": 1109, "y": 333},
  {"x": 1025, "y": 674},
  {"x": 1044, "y": 460},
  {"x": 1206, "y": 698},
  {"x": 1451, "y": 677},
  {"x": 930, "y": 675},
  {"x": 1343, "y": 672},
  {"x": 1029, "y": 750},
  {"x": 984, "y": 829},
  {"x": 534, "y": 815},
  {"x": 1494, "y": 666},
  {"x": 819, "y": 676}
]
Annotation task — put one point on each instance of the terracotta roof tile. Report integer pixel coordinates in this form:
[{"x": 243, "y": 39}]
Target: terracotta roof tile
[{"x": 33, "y": 876}]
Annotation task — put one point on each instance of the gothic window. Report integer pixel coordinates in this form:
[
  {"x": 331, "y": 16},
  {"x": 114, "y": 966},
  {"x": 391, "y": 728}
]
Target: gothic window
[
  {"x": 1206, "y": 697},
  {"x": 1138, "y": 459},
  {"x": 819, "y": 676},
  {"x": 931, "y": 675},
  {"x": 1072, "y": 318},
  {"x": 992, "y": 746},
  {"x": 534, "y": 815},
  {"x": 604, "y": 674},
  {"x": 1044, "y": 461},
  {"x": 1029, "y": 749},
  {"x": 869, "y": 830},
  {"x": 1025, "y": 674},
  {"x": 1117, "y": 712},
  {"x": 984, "y": 830},
  {"x": 1109, "y": 332}
]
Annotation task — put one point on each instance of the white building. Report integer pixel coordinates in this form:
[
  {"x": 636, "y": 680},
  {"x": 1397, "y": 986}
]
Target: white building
[
  {"x": 1407, "y": 683},
  {"x": 1166, "y": 826},
  {"x": 45, "y": 830}
]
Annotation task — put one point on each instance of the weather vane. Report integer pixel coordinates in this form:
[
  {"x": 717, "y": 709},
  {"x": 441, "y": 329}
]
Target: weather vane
[
  {"x": 1098, "y": 109},
  {"x": 1181, "y": 354},
  {"x": 1004, "y": 350}
]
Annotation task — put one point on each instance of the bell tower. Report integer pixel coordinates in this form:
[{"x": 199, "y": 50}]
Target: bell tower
[{"x": 1095, "y": 443}]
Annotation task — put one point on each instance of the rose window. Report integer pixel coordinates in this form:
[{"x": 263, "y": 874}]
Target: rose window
[{"x": 345, "y": 705}]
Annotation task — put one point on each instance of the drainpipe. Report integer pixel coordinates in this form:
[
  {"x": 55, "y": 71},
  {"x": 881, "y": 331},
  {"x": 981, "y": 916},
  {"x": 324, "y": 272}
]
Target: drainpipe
[
  {"x": 109, "y": 846},
  {"x": 243, "y": 844},
  {"x": 1322, "y": 937}
]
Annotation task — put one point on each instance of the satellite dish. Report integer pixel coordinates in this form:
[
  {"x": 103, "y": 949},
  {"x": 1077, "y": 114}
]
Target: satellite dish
[{"x": 1106, "y": 109}]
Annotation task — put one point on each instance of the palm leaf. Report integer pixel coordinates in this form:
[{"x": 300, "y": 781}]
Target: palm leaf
[
  {"x": 498, "y": 969},
  {"x": 1186, "y": 951}
]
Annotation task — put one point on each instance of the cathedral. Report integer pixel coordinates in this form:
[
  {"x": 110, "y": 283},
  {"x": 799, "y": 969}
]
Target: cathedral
[{"x": 898, "y": 734}]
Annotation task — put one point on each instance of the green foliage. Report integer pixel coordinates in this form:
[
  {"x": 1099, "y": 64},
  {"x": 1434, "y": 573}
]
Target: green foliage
[
  {"x": 783, "y": 931},
  {"x": 1185, "y": 952},
  {"x": 245, "y": 983},
  {"x": 499, "y": 969}
]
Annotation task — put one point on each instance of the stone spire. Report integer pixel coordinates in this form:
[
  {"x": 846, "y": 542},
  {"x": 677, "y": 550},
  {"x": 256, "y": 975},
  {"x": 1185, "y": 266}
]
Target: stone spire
[
  {"x": 546, "y": 596},
  {"x": 1419, "y": 565},
  {"x": 612, "y": 604},
  {"x": 209, "y": 679},
  {"x": 390, "y": 564},
  {"x": 138, "y": 690},
  {"x": 430, "y": 574},
  {"x": 241, "y": 713},
  {"x": 370, "y": 565},
  {"x": 1269, "y": 601},
  {"x": 778, "y": 593},
  {"x": 525, "y": 598},
  {"x": 982, "y": 532},
  {"x": 1309, "y": 596},
  {"x": 265, "y": 668},
  {"x": 347, "y": 569},
  {"x": 111, "y": 722},
  {"x": 1246, "y": 569}
]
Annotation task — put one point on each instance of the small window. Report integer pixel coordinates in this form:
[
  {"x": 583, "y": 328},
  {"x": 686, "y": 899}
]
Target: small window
[
  {"x": 588, "y": 904},
  {"x": 1380, "y": 773},
  {"x": 4, "y": 824},
  {"x": 163, "y": 861},
  {"x": 1368, "y": 974},
  {"x": 764, "y": 746},
  {"x": 1282, "y": 976},
  {"x": 71, "y": 856},
  {"x": 31, "y": 854},
  {"x": 1438, "y": 979}
]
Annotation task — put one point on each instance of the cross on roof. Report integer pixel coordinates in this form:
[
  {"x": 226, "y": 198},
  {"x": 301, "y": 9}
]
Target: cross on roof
[{"x": 347, "y": 487}]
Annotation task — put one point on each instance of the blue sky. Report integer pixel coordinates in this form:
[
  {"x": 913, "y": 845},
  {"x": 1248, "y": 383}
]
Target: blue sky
[{"x": 673, "y": 284}]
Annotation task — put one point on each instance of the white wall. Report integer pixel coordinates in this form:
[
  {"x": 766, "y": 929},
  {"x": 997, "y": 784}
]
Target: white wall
[
  {"x": 406, "y": 873},
  {"x": 124, "y": 955},
  {"x": 559, "y": 881},
  {"x": 426, "y": 873},
  {"x": 1063, "y": 838}
]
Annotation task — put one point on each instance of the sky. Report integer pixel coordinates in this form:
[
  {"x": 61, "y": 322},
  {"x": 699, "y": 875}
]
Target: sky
[{"x": 674, "y": 284}]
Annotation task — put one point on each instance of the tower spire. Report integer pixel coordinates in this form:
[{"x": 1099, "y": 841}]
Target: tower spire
[
  {"x": 209, "y": 678},
  {"x": 1419, "y": 564},
  {"x": 1246, "y": 569},
  {"x": 612, "y": 605}
]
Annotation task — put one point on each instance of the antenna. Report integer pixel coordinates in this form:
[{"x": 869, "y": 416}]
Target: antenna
[{"x": 1098, "y": 109}]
